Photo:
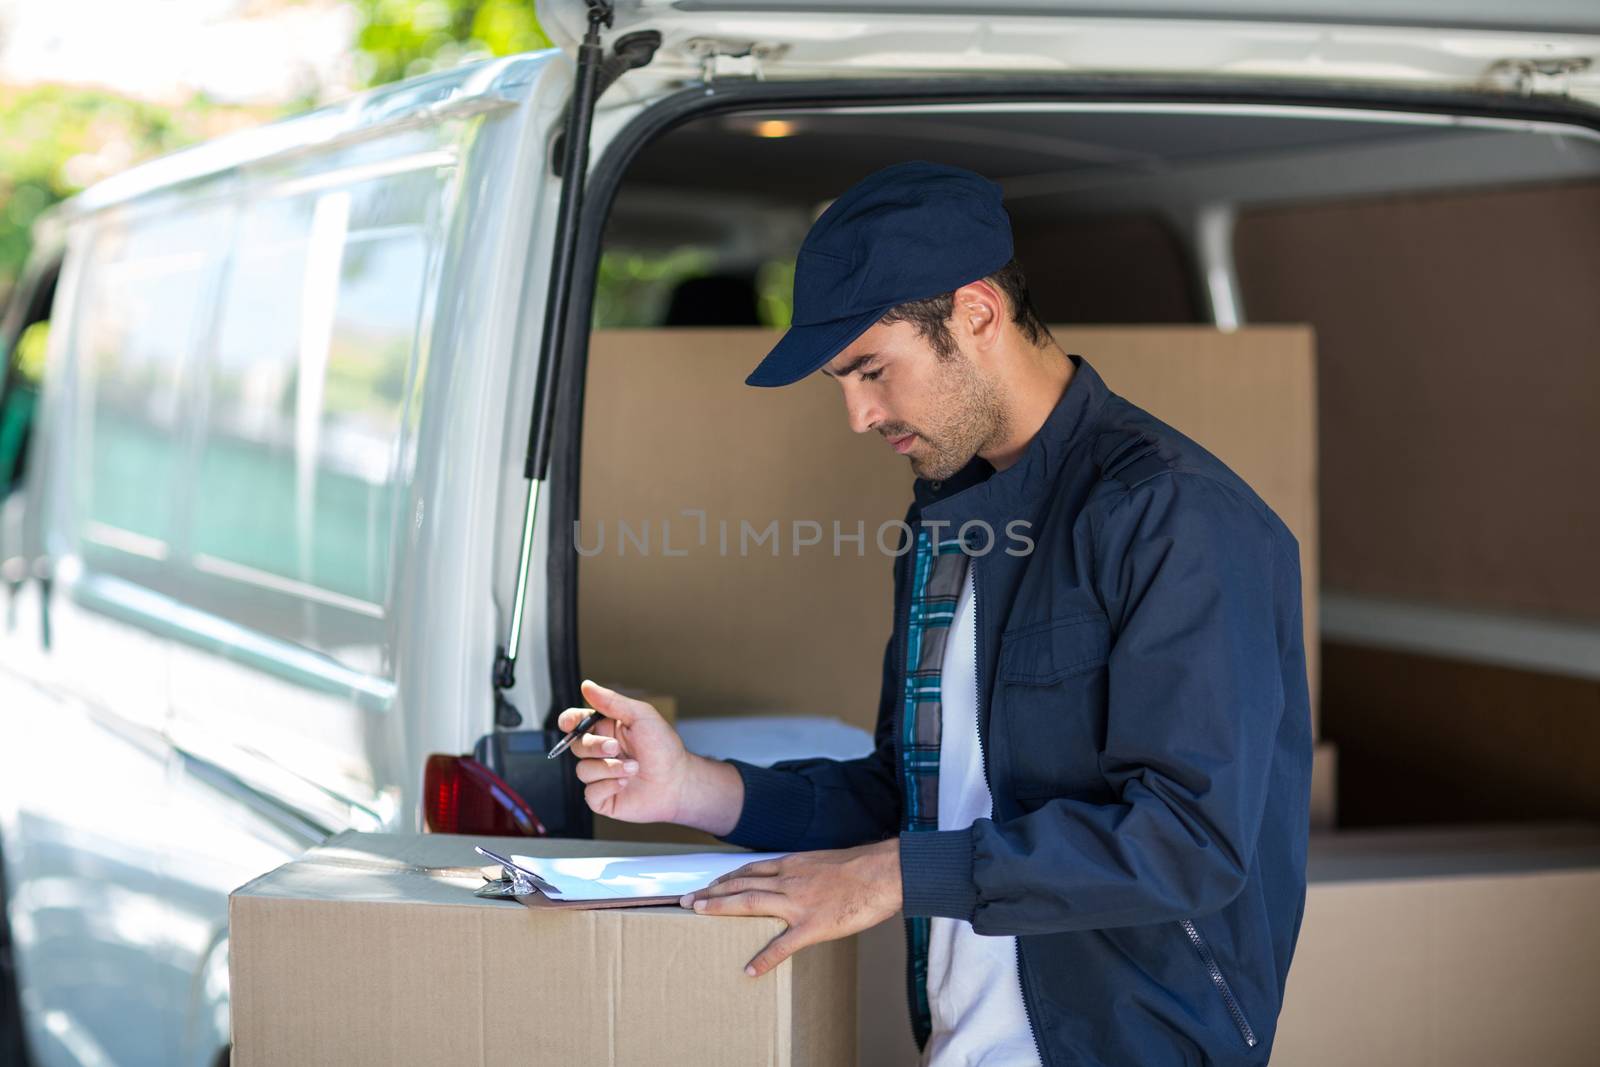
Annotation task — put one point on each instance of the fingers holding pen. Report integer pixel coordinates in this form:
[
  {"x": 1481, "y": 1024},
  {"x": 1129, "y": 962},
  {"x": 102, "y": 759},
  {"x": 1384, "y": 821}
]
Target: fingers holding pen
[
  {"x": 602, "y": 796},
  {"x": 594, "y": 745},
  {"x": 569, "y": 719},
  {"x": 631, "y": 761},
  {"x": 601, "y": 770}
]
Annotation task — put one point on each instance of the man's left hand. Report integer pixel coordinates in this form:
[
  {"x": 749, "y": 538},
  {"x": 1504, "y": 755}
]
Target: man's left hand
[{"x": 821, "y": 895}]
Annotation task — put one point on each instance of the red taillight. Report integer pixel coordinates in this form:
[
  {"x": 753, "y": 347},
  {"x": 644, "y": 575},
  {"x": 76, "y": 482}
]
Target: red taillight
[{"x": 462, "y": 796}]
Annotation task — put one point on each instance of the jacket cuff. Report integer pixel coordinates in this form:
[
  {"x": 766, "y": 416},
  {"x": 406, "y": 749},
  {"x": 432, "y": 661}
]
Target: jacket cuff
[
  {"x": 777, "y": 809},
  {"x": 936, "y": 874}
]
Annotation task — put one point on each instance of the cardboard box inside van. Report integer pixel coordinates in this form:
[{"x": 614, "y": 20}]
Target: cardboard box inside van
[{"x": 372, "y": 949}]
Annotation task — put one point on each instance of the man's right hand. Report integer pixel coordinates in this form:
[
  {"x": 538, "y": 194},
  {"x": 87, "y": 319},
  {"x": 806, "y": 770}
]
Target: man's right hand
[{"x": 634, "y": 767}]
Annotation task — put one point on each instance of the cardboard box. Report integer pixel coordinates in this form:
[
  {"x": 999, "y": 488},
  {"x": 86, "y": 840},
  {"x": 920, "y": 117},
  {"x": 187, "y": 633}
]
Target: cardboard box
[
  {"x": 1466, "y": 948},
  {"x": 373, "y": 950},
  {"x": 691, "y": 625},
  {"x": 1433, "y": 948}
]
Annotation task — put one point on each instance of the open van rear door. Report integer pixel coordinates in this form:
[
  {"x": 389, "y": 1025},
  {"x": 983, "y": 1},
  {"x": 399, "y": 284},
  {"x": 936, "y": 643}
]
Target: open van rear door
[
  {"x": 1244, "y": 49},
  {"x": 552, "y": 787},
  {"x": 1548, "y": 48}
]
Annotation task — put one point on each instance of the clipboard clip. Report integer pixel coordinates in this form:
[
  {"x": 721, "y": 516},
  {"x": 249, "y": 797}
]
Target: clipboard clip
[{"x": 514, "y": 881}]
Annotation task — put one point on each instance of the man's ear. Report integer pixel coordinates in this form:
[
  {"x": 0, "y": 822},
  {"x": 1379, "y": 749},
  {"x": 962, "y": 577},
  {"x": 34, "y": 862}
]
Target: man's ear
[{"x": 979, "y": 313}]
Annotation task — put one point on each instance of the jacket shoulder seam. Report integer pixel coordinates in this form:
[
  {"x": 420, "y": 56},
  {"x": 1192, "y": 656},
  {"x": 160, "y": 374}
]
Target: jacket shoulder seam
[{"x": 1127, "y": 491}]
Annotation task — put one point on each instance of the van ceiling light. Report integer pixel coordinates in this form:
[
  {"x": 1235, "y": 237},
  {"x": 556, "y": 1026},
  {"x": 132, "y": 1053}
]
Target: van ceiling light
[{"x": 773, "y": 128}]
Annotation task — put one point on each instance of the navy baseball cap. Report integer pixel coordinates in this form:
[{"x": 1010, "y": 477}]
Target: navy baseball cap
[{"x": 908, "y": 232}]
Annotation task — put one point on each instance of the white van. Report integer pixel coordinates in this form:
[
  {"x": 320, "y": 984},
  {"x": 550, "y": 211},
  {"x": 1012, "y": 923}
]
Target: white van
[{"x": 300, "y": 462}]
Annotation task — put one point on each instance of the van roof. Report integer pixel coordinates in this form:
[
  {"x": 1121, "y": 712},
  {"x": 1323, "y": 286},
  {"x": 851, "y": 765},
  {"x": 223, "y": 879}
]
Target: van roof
[{"x": 459, "y": 91}]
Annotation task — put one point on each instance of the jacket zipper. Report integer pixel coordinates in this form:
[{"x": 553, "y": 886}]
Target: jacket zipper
[
  {"x": 983, "y": 761},
  {"x": 1220, "y": 982},
  {"x": 1189, "y": 928}
]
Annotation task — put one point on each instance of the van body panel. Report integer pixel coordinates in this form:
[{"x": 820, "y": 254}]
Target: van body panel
[
  {"x": 79, "y": 832},
  {"x": 1550, "y": 50},
  {"x": 270, "y": 508},
  {"x": 84, "y": 866}
]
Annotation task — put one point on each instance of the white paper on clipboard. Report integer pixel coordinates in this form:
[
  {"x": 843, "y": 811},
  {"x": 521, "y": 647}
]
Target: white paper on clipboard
[{"x": 574, "y": 878}]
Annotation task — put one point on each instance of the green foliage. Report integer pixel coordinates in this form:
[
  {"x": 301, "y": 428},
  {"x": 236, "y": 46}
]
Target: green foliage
[
  {"x": 31, "y": 348},
  {"x": 775, "y": 292},
  {"x": 632, "y": 288},
  {"x": 55, "y": 140},
  {"x": 404, "y": 38}
]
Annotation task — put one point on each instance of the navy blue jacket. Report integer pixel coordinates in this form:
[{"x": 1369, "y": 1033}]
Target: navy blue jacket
[{"x": 1146, "y": 728}]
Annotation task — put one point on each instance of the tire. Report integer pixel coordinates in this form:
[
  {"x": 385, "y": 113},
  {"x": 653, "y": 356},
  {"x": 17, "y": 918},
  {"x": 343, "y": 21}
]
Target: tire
[{"x": 13, "y": 1051}]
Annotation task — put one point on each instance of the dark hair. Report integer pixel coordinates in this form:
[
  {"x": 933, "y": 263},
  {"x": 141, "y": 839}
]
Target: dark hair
[{"x": 931, "y": 316}]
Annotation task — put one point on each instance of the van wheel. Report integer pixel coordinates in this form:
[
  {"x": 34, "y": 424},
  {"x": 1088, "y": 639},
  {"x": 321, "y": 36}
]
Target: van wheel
[{"x": 12, "y": 1051}]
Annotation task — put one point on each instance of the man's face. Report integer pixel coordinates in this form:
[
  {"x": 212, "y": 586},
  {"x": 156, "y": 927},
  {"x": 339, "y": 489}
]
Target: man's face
[{"x": 937, "y": 412}]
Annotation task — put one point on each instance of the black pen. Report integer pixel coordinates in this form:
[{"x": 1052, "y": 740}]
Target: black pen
[{"x": 578, "y": 731}]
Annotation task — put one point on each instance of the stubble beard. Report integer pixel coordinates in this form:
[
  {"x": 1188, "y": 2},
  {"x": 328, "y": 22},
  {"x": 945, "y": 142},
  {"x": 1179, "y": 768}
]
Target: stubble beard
[{"x": 969, "y": 415}]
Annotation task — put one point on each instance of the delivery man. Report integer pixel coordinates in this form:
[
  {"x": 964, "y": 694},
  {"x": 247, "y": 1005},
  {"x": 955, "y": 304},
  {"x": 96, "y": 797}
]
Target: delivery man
[{"x": 1089, "y": 792}]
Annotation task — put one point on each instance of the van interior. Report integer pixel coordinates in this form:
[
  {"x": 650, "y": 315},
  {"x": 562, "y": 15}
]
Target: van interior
[{"x": 1384, "y": 321}]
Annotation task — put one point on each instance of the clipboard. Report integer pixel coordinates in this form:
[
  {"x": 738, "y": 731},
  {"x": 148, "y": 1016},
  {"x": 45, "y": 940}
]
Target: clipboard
[
  {"x": 516, "y": 882},
  {"x": 605, "y": 886}
]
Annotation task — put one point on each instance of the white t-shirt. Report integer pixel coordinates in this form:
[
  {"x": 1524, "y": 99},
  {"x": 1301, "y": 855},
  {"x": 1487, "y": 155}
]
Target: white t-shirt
[{"x": 974, "y": 990}]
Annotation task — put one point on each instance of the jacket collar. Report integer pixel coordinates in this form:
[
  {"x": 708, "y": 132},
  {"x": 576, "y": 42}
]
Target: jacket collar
[{"x": 979, "y": 491}]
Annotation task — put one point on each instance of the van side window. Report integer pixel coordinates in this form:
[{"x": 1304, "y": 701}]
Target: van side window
[
  {"x": 142, "y": 312},
  {"x": 310, "y": 383}
]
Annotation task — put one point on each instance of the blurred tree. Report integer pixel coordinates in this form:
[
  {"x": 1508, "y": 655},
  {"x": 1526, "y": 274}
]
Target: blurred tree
[
  {"x": 633, "y": 288},
  {"x": 404, "y": 38},
  {"x": 56, "y": 139}
]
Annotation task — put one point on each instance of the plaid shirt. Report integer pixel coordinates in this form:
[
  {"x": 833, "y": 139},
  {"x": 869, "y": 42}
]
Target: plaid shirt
[{"x": 937, "y": 577}]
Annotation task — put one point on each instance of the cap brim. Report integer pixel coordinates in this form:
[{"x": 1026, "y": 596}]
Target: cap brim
[{"x": 804, "y": 349}]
